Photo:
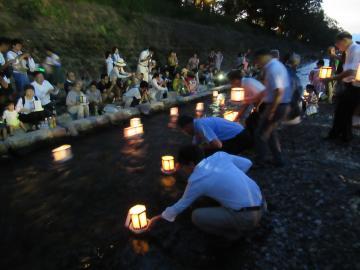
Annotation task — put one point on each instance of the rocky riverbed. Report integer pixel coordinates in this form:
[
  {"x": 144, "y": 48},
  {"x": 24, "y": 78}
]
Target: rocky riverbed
[{"x": 71, "y": 216}]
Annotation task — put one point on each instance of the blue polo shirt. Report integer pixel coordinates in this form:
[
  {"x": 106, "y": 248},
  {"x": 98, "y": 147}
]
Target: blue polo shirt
[{"x": 212, "y": 128}]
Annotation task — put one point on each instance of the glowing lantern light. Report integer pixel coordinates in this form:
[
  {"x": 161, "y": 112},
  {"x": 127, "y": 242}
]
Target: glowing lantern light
[
  {"x": 136, "y": 219},
  {"x": 174, "y": 111},
  {"x": 230, "y": 115},
  {"x": 237, "y": 94},
  {"x": 133, "y": 131},
  {"x": 325, "y": 72},
  {"x": 134, "y": 122},
  {"x": 168, "y": 164},
  {"x": 200, "y": 107},
  {"x": 357, "y": 78},
  {"x": 215, "y": 94},
  {"x": 62, "y": 153}
]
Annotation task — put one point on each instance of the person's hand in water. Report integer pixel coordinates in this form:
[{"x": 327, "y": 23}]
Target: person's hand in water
[{"x": 153, "y": 221}]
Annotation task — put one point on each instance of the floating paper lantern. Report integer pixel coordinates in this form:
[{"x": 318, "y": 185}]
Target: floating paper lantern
[
  {"x": 62, "y": 153},
  {"x": 230, "y": 115},
  {"x": 168, "y": 164},
  {"x": 136, "y": 219},
  {"x": 357, "y": 78},
  {"x": 134, "y": 122},
  {"x": 325, "y": 72},
  {"x": 237, "y": 94},
  {"x": 174, "y": 111},
  {"x": 133, "y": 131},
  {"x": 215, "y": 94},
  {"x": 200, "y": 107}
]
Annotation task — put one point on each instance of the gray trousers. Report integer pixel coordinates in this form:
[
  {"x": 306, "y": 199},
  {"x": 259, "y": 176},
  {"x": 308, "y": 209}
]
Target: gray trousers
[
  {"x": 226, "y": 222},
  {"x": 266, "y": 133}
]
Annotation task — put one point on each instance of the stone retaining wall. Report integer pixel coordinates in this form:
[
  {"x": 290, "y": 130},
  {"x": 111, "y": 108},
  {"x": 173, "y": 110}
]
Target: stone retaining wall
[{"x": 74, "y": 128}]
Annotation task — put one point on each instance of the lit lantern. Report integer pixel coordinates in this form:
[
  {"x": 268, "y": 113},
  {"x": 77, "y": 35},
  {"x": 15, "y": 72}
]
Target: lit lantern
[
  {"x": 133, "y": 131},
  {"x": 62, "y": 153},
  {"x": 168, "y": 164},
  {"x": 136, "y": 219},
  {"x": 215, "y": 94},
  {"x": 237, "y": 94},
  {"x": 357, "y": 78},
  {"x": 134, "y": 122},
  {"x": 230, "y": 115},
  {"x": 325, "y": 72},
  {"x": 200, "y": 107},
  {"x": 174, "y": 111}
]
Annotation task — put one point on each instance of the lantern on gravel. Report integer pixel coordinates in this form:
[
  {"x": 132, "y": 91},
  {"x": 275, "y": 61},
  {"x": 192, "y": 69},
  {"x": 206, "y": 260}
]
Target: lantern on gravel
[
  {"x": 237, "y": 94},
  {"x": 136, "y": 219},
  {"x": 62, "y": 153},
  {"x": 168, "y": 165},
  {"x": 325, "y": 72}
]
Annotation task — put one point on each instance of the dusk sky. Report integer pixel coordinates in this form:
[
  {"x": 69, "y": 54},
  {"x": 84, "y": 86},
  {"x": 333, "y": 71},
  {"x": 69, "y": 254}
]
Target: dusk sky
[{"x": 346, "y": 12}]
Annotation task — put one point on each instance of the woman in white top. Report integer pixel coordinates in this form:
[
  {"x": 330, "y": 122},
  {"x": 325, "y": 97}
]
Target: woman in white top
[
  {"x": 26, "y": 107},
  {"x": 109, "y": 63},
  {"x": 158, "y": 88}
]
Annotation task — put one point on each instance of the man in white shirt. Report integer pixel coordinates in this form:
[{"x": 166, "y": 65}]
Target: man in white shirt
[
  {"x": 43, "y": 89},
  {"x": 19, "y": 65},
  {"x": 349, "y": 100},
  {"x": 144, "y": 63},
  {"x": 221, "y": 177},
  {"x": 277, "y": 97}
]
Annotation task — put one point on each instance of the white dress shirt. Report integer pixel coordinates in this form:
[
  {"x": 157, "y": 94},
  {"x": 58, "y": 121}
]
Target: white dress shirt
[
  {"x": 277, "y": 77},
  {"x": 252, "y": 87},
  {"x": 352, "y": 60},
  {"x": 144, "y": 58},
  {"x": 157, "y": 86},
  {"x": 42, "y": 91},
  {"x": 221, "y": 177}
]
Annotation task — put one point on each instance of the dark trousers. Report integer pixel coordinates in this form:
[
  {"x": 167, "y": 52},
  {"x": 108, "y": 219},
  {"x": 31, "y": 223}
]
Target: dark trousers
[
  {"x": 266, "y": 134},
  {"x": 33, "y": 118},
  {"x": 347, "y": 102},
  {"x": 239, "y": 143},
  {"x": 235, "y": 145}
]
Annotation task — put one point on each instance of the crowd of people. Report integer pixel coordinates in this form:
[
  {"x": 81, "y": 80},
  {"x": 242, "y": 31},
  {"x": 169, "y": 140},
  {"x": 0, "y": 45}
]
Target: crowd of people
[
  {"x": 212, "y": 163},
  {"x": 39, "y": 90}
]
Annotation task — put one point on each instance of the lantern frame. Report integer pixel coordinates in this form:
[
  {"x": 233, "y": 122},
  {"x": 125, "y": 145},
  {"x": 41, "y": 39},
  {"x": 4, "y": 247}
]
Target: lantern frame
[
  {"x": 174, "y": 111},
  {"x": 200, "y": 107},
  {"x": 140, "y": 210},
  {"x": 134, "y": 122},
  {"x": 235, "y": 91},
  {"x": 325, "y": 72},
  {"x": 169, "y": 159},
  {"x": 64, "y": 152}
]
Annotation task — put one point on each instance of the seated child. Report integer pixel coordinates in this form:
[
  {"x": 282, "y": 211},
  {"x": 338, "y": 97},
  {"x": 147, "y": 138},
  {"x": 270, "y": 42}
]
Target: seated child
[
  {"x": 311, "y": 100},
  {"x": 11, "y": 118}
]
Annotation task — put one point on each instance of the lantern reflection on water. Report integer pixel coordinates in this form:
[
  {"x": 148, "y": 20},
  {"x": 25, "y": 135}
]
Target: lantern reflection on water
[
  {"x": 325, "y": 72},
  {"x": 168, "y": 164},
  {"x": 136, "y": 219},
  {"x": 237, "y": 94},
  {"x": 62, "y": 153},
  {"x": 133, "y": 131},
  {"x": 230, "y": 115}
]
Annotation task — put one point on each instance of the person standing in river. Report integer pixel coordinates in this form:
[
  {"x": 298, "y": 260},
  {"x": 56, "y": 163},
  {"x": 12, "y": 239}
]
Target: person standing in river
[
  {"x": 349, "y": 99},
  {"x": 277, "y": 97}
]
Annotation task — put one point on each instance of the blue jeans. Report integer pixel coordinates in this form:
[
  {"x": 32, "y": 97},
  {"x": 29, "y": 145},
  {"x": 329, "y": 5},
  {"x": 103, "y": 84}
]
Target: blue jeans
[
  {"x": 21, "y": 79},
  {"x": 266, "y": 133}
]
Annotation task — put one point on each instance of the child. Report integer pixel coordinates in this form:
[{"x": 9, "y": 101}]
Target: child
[
  {"x": 315, "y": 80},
  {"x": 311, "y": 100},
  {"x": 11, "y": 118}
]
